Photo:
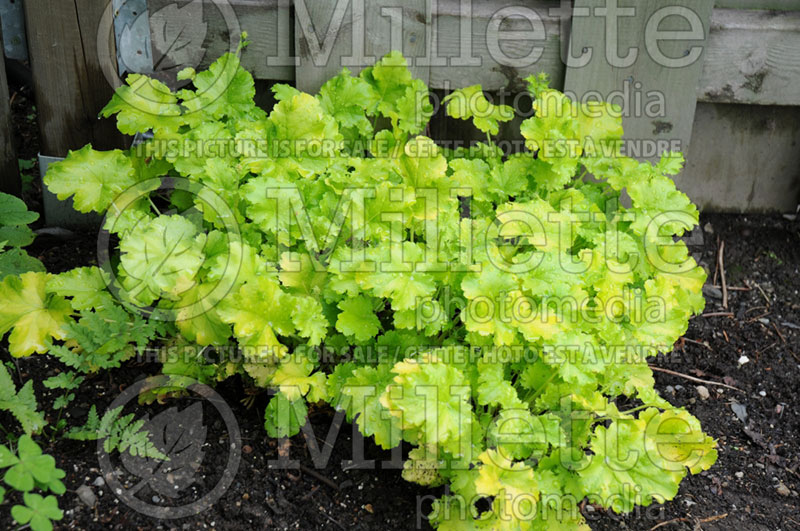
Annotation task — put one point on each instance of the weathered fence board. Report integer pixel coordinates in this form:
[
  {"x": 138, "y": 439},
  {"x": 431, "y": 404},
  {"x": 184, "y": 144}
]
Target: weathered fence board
[
  {"x": 467, "y": 40},
  {"x": 328, "y": 37},
  {"x": 9, "y": 167},
  {"x": 210, "y": 28},
  {"x": 69, "y": 84},
  {"x": 752, "y": 57},
  {"x": 743, "y": 158},
  {"x": 474, "y": 47},
  {"x": 657, "y": 70}
]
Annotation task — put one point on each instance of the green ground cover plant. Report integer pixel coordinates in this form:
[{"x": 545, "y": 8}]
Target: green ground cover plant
[{"x": 493, "y": 311}]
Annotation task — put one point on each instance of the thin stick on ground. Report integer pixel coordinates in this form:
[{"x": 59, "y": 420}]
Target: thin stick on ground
[
  {"x": 721, "y": 263},
  {"x": 733, "y": 288},
  {"x": 717, "y": 314},
  {"x": 692, "y": 378},
  {"x": 684, "y": 519},
  {"x": 701, "y": 343},
  {"x": 766, "y": 299},
  {"x": 779, "y": 332},
  {"x": 716, "y": 265},
  {"x": 320, "y": 477}
]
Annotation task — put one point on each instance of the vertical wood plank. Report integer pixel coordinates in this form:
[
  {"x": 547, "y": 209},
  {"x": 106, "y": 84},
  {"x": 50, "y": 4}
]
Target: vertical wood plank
[
  {"x": 99, "y": 90},
  {"x": 9, "y": 167},
  {"x": 332, "y": 35},
  {"x": 658, "y": 99},
  {"x": 69, "y": 85}
]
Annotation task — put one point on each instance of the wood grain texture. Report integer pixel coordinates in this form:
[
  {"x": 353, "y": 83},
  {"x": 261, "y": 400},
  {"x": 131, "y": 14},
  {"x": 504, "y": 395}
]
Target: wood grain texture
[
  {"x": 752, "y": 57},
  {"x": 9, "y": 167},
  {"x": 332, "y": 35},
  {"x": 743, "y": 158},
  {"x": 474, "y": 46},
  {"x": 69, "y": 85},
  {"x": 460, "y": 46},
  {"x": 667, "y": 124},
  {"x": 191, "y": 33}
]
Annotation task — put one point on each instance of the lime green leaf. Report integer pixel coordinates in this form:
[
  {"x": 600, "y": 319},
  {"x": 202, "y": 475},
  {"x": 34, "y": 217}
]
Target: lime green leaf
[
  {"x": 87, "y": 287},
  {"x": 360, "y": 397},
  {"x": 284, "y": 417},
  {"x": 95, "y": 178},
  {"x": 161, "y": 258},
  {"x": 358, "y": 318},
  {"x": 144, "y": 104},
  {"x": 34, "y": 316},
  {"x": 470, "y": 102},
  {"x": 258, "y": 315},
  {"x": 430, "y": 398}
]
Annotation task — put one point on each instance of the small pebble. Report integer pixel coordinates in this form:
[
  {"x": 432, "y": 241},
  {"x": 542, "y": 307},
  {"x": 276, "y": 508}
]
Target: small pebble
[
  {"x": 670, "y": 390},
  {"x": 703, "y": 392},
  {"x": 99, "y": 482},
  {"x": 783, "y": 490},
  {"x": 740, "y": 410},
  {"x": 368, "y": 508},
  {"x": 711, "y": 291},
  {"x": 739, "y": 475},
  {"x": 743, "y": 360},
  {"x": 86, "y": 495},
  {"x": 764, "y": 320},
  {"x": 762, "y": 393},
  {"x": 156, "y": 499}
]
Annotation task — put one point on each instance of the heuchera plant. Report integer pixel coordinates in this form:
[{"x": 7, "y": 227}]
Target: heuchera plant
[{"x": 493, "y": 311}]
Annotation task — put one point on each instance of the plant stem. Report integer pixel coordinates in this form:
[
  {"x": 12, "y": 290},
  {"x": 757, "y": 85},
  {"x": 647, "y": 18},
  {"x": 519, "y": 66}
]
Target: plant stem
[{"x": 541, "y": 388}]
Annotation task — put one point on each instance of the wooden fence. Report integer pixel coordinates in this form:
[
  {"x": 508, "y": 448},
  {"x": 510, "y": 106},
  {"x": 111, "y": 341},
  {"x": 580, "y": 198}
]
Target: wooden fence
[{"x": 729, "y": 97}]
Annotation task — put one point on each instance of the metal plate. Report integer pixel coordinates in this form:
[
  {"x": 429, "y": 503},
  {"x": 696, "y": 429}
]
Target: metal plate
[
  {"x": 132, "y": 32},
  {"x": 13, "y": 21}
]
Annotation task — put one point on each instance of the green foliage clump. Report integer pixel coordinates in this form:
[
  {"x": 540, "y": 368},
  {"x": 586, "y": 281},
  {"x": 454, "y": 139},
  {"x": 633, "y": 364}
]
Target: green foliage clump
[
  {"x": 495, "y": 311},
  {"x": 27, "y": 469}
]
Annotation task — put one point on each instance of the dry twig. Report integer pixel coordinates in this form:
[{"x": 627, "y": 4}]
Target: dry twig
[
  {"x": 721, "y": 261},
  {"x": 684, "y": 519},
  {"x": 692, "y": 378},
  {"x": 717, "y": 314},
  {"x": 779, "y": 332},
  {"x": 313, "y": 473},
  {"x": 733, "y": 288}
]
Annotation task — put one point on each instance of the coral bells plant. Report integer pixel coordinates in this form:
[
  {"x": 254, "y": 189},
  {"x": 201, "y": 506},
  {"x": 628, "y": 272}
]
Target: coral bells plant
[{"x": 493, "y": 311}]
